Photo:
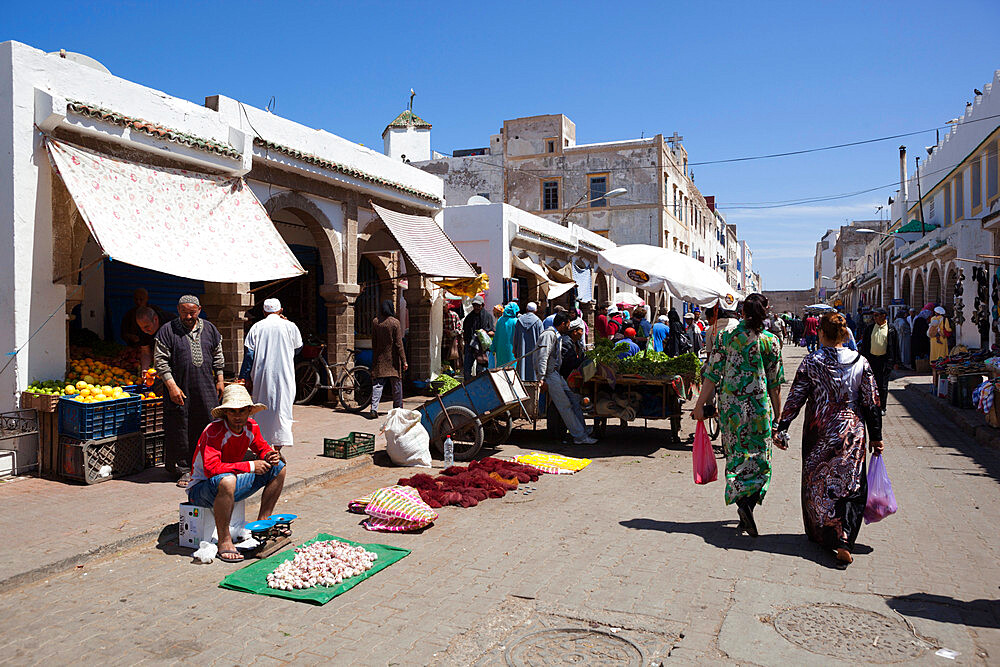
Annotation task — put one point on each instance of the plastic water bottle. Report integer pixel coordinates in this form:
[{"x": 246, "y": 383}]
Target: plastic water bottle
[{"x": 449, "y": 452}]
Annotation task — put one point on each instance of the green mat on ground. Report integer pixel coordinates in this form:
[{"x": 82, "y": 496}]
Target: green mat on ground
[{"x": 253, "y": 578}]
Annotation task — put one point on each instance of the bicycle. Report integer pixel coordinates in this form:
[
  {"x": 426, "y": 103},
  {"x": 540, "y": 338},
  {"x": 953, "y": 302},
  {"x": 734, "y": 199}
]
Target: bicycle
[{"x": 353, "y": 383}]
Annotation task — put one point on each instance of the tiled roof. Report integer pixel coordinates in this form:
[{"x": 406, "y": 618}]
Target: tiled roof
[
  {"x": 152, "y": 129},
  {"x": 408, "y": 119},
  {"x": 915, "y": 251},
  {"x": 345, "y": 169},
  {"x": 914, "y": 226}
]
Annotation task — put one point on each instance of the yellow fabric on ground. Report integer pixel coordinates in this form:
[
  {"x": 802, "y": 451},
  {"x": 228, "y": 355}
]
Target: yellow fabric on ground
[{"x": 543, "y": 461}]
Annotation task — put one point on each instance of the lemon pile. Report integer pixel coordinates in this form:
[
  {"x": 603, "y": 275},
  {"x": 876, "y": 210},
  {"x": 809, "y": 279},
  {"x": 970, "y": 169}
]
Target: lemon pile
[
  {"x": 98, "y": 373},
  {"x": 85, "y": 392}
]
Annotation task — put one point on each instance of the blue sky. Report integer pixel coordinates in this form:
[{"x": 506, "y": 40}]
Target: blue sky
[{"x": 735, "y": 79}]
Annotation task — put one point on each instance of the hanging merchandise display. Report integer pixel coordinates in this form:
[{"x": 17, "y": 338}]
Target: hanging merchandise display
[
  {"x": 959, "y": 303},
  {"x": 981, "y": 307},
  {"x": 995, "y": 311}
]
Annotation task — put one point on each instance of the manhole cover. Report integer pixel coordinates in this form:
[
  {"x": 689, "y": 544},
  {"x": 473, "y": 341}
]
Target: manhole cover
[
  {"x": 573, "y": 646},
  {"x": 853, "y": 634}
]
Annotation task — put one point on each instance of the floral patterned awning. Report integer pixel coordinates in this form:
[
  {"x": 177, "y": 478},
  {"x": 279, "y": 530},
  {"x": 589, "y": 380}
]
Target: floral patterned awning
[{"x": 175, "y": 221}]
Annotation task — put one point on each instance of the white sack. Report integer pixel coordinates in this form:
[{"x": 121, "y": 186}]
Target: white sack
[{"x": 406, "y": 440}]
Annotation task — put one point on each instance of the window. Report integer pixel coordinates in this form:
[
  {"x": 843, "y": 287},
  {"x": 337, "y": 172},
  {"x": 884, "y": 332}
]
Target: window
[
  {"x": 959, "y": 196},
  {"x": 991, "y": 172},
  {"x": 598, "y": 188},
  {"x": 947, "y": 205},
  {"x": 550, "y": 195},
  {"x": 976, "y": 185},
  {"x": 550, "y": 145},
  {"x": 484, "y": 195}
]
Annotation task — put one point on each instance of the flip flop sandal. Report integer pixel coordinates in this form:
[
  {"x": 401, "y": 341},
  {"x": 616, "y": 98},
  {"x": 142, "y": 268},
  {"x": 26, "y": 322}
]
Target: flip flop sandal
[
  {"x": 231, "y": 552},
  {"x": 184, "y": 480}
]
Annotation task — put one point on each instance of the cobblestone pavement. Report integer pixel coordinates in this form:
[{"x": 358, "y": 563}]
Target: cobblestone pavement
[{"x": 628, "y": 560}]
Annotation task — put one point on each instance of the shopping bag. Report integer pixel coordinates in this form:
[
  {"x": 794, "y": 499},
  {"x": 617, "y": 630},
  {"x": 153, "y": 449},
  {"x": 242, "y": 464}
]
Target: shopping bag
[
  {"x": 881, "y": 500},
  {"x": 703, "y": 457}
]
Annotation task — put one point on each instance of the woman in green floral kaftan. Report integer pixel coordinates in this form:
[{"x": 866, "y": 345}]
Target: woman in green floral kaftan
[{"x": 745, "y": 370}]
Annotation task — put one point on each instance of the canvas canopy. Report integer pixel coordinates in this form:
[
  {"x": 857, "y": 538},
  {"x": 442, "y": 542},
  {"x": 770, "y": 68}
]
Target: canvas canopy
[
  {"x": 184, "y": 223},
  {"x": 658, "y": 270},
  {"x": 561, "y": 282},
  {"x": 427, "y": 249}
]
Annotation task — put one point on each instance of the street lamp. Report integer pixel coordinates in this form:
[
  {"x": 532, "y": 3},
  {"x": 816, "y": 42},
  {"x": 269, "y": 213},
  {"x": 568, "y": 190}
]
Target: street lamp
[
  {"x": 864, "y": 230},
  {"x": 617, "y": 192}
]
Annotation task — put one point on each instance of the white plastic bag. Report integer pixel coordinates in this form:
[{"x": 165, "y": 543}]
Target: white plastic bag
[{"x": 406, "y": 440}]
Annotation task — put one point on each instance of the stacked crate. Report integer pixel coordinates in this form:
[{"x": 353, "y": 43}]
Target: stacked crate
[{"x": 100, "y": 441}]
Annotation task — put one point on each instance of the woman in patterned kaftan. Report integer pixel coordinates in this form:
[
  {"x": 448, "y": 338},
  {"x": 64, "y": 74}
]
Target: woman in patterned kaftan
[
  {"x": 837, "y": 388},
  {"x": 745, "y": 367}
]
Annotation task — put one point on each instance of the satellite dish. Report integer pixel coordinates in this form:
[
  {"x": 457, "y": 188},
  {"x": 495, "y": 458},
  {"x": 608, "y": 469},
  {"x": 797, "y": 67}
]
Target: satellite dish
[
  {"x": 476, "y": 200},
  {"x": 81, "y": 59}
]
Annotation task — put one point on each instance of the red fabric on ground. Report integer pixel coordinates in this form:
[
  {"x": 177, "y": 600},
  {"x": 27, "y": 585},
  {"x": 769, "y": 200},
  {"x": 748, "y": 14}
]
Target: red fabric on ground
[{"x": 467, "y": 486}]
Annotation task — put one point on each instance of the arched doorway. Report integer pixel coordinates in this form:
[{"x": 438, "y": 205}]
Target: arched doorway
[
  {"x": 934, "y": 286},
  {"x": 919, "y": 298},
  {"x": 906, "y": 289}
]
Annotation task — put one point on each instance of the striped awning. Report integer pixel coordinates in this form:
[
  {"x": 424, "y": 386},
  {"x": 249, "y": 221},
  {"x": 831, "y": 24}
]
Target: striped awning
[{"x": 426, "y": 248}]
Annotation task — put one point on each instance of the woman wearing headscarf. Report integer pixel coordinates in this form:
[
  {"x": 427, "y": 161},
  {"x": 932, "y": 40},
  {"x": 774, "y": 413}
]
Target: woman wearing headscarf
[
  {"x": 745, "y": 369},
  {"x": 677, "y": 341},
  {"x": 920, "y": 344},
  {"x": 388, "y": 357},
  {"x": 938, "y": 333},
  {"x": 526, "y": 333},
  {"x": 838, "y": 389},
  {"x": 503, "y": 341}
]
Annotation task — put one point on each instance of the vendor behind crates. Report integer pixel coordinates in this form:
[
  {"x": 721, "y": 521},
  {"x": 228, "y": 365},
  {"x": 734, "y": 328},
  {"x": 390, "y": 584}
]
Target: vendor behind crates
[{"x": 221, "y": 477}]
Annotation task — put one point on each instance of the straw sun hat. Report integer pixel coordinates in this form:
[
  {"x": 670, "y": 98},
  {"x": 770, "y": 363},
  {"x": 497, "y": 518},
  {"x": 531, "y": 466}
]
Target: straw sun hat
[{"x": 236, "y": 396}]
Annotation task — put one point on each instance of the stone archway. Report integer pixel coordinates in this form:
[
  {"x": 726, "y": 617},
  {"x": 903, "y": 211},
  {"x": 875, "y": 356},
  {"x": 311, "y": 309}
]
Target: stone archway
[
  {"x": 934, "y": 285},
  {"x": 919, "y": 298},
  {"x": 906, "y": 289},
  {"x": 319, "y": 227}
]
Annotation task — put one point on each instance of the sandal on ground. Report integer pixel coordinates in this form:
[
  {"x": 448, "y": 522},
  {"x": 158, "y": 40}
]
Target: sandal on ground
[
  {"x": 184, "y": 480},
  {"x": 230, "y": 552},
  {"x": 844, "y": 556}
]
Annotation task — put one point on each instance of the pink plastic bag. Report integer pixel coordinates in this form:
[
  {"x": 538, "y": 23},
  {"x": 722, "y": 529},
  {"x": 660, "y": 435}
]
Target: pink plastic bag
[
  {"x": 705, "y": 470},
  {"x": 881, "y": 500}
]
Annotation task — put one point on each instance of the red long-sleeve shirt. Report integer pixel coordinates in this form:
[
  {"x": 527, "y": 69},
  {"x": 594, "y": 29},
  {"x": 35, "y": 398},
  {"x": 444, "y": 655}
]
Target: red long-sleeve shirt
[{"x": 222, "y": 451}]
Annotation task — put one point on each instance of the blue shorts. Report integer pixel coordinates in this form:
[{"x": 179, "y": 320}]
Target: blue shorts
[{"x": 247, "y": 483}]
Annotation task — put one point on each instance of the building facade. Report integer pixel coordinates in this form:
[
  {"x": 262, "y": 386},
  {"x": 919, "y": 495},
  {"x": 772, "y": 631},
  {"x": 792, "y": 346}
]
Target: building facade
[
  {"x": 535, "y": 164},
  {"x": 825, "y": 266},
  {"x": 318, "y": 191}
]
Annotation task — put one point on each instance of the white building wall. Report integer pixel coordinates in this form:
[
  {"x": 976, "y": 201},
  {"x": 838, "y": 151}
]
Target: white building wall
[{"x": 407, "y": 144}]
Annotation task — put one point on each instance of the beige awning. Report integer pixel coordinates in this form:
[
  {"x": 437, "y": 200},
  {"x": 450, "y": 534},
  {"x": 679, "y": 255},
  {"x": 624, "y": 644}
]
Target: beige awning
[
  {"x": 528, "y": 266},
  {"x": 175, "y": 221},
  {"x": 561, "y": 283},
  {"x": 427, "y": 249}
]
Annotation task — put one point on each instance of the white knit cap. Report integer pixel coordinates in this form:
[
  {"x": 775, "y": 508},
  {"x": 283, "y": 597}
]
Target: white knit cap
[
  {"x": 271, "y": 305},
  {"x": 531, "y": 307},
  {"x": 661, "y": 318},
  {"x": 939, "y": 310},
  {"x": 576, "y": 324}
]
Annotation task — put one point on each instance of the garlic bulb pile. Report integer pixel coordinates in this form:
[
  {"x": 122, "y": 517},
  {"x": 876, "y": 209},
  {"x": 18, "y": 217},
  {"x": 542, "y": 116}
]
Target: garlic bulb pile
[{"x": 321, "y": 564}]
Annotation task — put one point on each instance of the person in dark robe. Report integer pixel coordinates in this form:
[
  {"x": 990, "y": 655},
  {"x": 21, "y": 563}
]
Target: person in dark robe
[
  {"x": 839, "y": 392},
  {"x": 388, "y": 358},
  {"x": 526, "y": 333},
  {"x": 920, "y": 344},
  {"x": 677, "y": 341},
  {"x": 188, "y": 358}
]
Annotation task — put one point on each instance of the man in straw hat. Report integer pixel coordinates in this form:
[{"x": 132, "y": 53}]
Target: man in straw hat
[
  {"x": 188, "y": 357},
  {"x": 269, "y": 363},
  {"x": 221, "y": 477}
]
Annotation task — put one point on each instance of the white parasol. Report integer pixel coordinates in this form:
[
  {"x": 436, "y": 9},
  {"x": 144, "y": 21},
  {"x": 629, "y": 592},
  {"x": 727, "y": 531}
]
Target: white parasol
[
  {"x": 658, "y": 269},
  {"x": 820, "y": 306},
  {"x": 630, "y": 299}
]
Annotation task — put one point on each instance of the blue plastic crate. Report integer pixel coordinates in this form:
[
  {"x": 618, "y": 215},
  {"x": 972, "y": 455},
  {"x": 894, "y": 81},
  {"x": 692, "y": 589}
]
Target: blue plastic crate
[{"x": 93, "y": 421}]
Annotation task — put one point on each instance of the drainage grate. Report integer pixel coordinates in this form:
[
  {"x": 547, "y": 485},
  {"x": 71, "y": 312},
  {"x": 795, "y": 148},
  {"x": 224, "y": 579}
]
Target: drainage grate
[
  {"x": 573, "y": 646},
  {"x": 849, "y": 633}
]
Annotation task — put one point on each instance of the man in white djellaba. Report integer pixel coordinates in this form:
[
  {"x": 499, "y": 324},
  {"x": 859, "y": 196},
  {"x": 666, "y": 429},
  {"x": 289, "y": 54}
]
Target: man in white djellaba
[{"x": 269, "y": 363}]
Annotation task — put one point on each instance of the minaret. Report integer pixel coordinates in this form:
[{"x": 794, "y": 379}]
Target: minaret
[{"x": 408, "y": 137}]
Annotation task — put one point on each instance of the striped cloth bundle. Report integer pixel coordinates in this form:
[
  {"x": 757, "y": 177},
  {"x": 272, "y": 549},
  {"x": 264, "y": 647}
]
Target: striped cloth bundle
[
  {"x": 554, "y": 464},
  {"x": 394, "y": 509}
]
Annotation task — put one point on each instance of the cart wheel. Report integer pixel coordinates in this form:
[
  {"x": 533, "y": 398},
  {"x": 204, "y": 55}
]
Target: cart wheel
[
  {"x": 712, "y": 426},
  {"x": 499, "y": 429},
  {"x": 600, "y": 428},
  {"x": 307, "y": 382},
  {"x": 554, "y": 424},
  {"x": 355, "y": 389},
  {"x": 468, "y": 435}
]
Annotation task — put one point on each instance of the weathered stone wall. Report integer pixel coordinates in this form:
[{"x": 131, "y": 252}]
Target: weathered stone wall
[{"x": 795, "y": 301}]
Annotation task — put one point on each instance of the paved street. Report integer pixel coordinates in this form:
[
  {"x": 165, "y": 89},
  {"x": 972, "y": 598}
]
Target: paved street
[{"x": 640, "y": 561}]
